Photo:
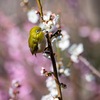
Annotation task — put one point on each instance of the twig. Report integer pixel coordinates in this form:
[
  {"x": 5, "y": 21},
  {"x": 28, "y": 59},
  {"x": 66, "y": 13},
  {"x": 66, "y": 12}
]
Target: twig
[
  {"x": 40, "y": 8},
  {"x": 54, "y": 67},
  {"x": 94, "y": 71}
]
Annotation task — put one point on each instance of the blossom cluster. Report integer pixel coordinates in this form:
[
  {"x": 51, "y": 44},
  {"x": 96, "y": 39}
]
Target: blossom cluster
[
  {"x": 51, "y": 24},
  {"x": 14, "y": 90}
]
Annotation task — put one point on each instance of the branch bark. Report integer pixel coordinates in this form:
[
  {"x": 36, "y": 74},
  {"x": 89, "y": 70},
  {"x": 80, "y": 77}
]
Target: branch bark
[{"x": 40, "y": 8}]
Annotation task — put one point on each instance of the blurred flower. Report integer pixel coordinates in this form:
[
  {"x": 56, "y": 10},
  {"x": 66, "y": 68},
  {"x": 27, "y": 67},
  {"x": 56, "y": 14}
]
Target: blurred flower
[
  {"x": 33, "y": 16},
  {"x": 14, "y": 89},
  {"x": 61, "y": 70},
  {"x": 60, "y": 67},
  {"x": 11, "y": 93},
  {"x": 75, "y": 51},
  {"x": 84, "y": 31},
  {"x": 95, "y": 35},
  {"x": 89, "y": 77},
  {"x": 64, "y": 42},
  {"x": 51, "y": 85},
  {"x": 67, "y": 72},
  {"x": 53, "y": 92},
  {"x": 15, "y": 84},
  {"x": 43, "y": 71}
]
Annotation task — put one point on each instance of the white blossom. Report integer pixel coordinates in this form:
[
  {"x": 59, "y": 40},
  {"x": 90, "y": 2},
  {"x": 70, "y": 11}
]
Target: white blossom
[
  {"x": 50, "y": 22},
  {"x": 50, "y": 83},
  {"x": 61, "y": 70},
  {"x": 56, "y": 99},
  {"x": 53, "y": 92},
  {"x": 11, "y": 92},
  {"x": 47, "y": 97},
  {"x": 64, "y": 42},
  {"x": 42, "y": 71},
  {"x": 46, "y": 17},
  {"x": 55, "y": 20},
  {"x": 15, "y": 84},
  {"x": 89, "y": 77},
  {"x": 67, "y": 72},
  {"x": 33, "y": 16},
  {"x": 75, "y": 50}
]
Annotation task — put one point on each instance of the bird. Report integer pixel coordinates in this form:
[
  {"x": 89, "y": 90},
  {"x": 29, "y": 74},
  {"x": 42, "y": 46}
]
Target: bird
[{"x": 36, "y": 40}]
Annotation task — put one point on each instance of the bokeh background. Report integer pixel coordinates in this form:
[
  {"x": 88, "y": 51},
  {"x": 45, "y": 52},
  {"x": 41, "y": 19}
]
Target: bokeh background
[{"x": 81, "y": 19}]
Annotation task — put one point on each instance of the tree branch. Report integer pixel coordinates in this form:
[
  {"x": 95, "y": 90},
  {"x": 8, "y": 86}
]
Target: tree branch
[
  {"x": 40, "y": 8},
  {"x": 87, "y": 64},
  {"x": 54, "y": 67}
]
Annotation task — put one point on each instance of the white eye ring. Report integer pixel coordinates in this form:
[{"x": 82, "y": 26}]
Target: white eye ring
[{"x": 37, "y": 31}]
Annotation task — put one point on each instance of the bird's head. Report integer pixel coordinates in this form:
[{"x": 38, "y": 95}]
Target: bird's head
[{"x": 37, "y": 32}]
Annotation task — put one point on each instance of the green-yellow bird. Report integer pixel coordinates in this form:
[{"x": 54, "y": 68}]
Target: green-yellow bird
[{"x": 36, "y": 40}]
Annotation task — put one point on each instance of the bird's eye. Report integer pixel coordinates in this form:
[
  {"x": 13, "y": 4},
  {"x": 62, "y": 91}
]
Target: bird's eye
[{"x": 37, "y": 31}]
